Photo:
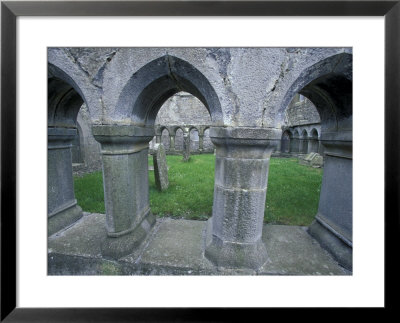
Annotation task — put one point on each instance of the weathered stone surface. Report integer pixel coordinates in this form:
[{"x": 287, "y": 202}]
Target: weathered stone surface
[
  {"x": 313, "y": 160},
  {"x": 235, "y": 229},
  {"x": 301, "y": 112},
  {"x": 126, "y": 187},
  {"x": 334, "y": 222},
  {"x": 176, "y": 247},
  {"x": 61, "y": 203},
  {"x": 246, "y": 92},
  {"x": 160, "y": 167}
]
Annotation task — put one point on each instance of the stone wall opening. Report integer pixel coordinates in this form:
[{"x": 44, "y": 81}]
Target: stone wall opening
[{"x": 330, "y": 90}]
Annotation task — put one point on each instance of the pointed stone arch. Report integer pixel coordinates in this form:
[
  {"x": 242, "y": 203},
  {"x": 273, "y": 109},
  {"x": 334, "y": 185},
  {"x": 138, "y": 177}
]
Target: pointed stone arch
[
  {"x": 328, "y": 85},
  {"x": 149, "y": 87}
]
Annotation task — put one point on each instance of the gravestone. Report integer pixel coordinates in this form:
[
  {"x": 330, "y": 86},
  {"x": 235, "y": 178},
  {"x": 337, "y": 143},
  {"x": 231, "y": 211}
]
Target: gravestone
[
  {"x": 313, "y": 160},
  {"x": 160, "y": 167}
]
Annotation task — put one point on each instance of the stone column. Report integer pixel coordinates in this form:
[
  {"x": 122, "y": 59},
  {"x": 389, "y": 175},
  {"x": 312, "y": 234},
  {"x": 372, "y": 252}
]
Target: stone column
[
  {"x": 62, "y": 207},
  {"x": 294, "y": 145},
  {"x": 234, "y": 232},
  {"x": 172, "y": 143},
  {"x": 320, "y": 147},
  {"x": 332, "y": 227},
  {"x": 303, "y": 146},
  {"x": 158, "y": 139},
  {"x": 201, "y": 143},
  {"x": 186, "y": 144},
  {"x": 126, "y": 188}
]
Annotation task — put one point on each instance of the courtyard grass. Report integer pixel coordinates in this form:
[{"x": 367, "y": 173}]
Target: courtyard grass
[{"x": 292, "y": 197}]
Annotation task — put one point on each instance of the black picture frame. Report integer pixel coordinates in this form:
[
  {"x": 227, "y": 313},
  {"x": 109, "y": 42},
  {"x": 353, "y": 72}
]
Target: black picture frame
[{"x": 10, "y": 10}]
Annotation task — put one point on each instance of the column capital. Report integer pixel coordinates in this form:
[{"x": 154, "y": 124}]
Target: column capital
[
  {"x": 338, "y": 144},
  {"x": 59, "y": 138},
  {"x": 244, "y": 142},
  {"x": 122, "y": 139}
]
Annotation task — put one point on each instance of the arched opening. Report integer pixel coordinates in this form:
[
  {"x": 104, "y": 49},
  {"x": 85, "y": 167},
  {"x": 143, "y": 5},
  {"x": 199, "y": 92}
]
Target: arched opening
[
  {"x": 64, "y": 102},
  {"x": 125, "y": 147},
  {"x": 194, "y": 140},
  {"x": 285, "y": 141},
  {"x": 150, "y": 87},
  {"x": 304, "y": 142},
  {"x": 328, "y": 85},
  {"x": 313, "y": 142},
  {"x": 295, "y": 142}
]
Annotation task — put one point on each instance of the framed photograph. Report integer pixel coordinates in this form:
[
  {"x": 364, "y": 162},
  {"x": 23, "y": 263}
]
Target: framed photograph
[{"x": 34, "y": 33}]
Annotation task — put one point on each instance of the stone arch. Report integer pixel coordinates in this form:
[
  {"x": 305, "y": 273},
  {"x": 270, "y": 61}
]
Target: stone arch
[
  {"x": 194, "y": 138},
  {"x": 328, "y": 85},
  {"x": 65, "y": 98},
  {"x": 148, "y": 88},
  {"x": 314, "y": 133},
  {"x": 313, "y": 143}
]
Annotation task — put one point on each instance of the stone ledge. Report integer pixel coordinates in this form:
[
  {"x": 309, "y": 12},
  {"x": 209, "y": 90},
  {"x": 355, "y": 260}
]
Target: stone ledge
[{"x": 176, "y": 248}]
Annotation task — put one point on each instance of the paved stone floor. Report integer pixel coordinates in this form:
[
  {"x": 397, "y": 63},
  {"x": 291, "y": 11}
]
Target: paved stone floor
[{"x": 176, "y": 247}]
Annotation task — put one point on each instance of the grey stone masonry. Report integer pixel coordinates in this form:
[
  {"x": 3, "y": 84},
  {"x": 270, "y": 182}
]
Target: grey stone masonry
[
  {"x": 160, "y": 167},
  {"x": 333, "y": 225},
  {"x": 246, "y": 92},
  {"x": 241, "y": 176},
  {"x": 62, "y": 207},
  {"x": 126, "y": 188}
]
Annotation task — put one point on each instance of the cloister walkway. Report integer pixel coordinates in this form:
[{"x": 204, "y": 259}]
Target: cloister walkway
[{"x": 176, "y": 247}]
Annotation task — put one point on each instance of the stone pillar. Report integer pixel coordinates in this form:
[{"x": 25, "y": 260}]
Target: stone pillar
[
  {"x": 62, "y": 207},
  {"x": 126, "y": 188},
  {"x": 201, "y": 143},
  {"x": 294, "y": 145},
  {"x": 234, "y": 232},
  {"x": 303, "y": 146},
  {"x": 158, "y": 139},
  {"x": 333, "y": 225},
  {"x": 186, "y": 145},
  {"x": 172, "y": 143},
  {"x": 320, "y": 147}
]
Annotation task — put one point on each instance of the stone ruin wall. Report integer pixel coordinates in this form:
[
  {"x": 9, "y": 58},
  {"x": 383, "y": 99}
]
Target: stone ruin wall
[
  {"x": 184, "y": 109},
  {"x": 301, "y": 111}
]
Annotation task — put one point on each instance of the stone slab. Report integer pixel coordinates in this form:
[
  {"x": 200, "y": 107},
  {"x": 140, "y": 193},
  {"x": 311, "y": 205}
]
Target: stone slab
[
  {"x": 175, "y": 247},
  {"x": 160, "y": 167}
]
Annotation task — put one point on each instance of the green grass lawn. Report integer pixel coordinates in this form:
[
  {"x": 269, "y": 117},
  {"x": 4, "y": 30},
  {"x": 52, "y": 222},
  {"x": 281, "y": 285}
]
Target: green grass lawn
[{"x": 292, "y": 196}]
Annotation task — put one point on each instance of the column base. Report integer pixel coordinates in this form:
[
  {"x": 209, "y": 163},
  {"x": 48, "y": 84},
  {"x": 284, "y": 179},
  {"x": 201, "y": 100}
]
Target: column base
[
  {"x": 234, "y": 255},
  {"x": 121, "y": 246},
  {"x": 337, "y": 246},
  {"x": 63, "y": 218}
]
